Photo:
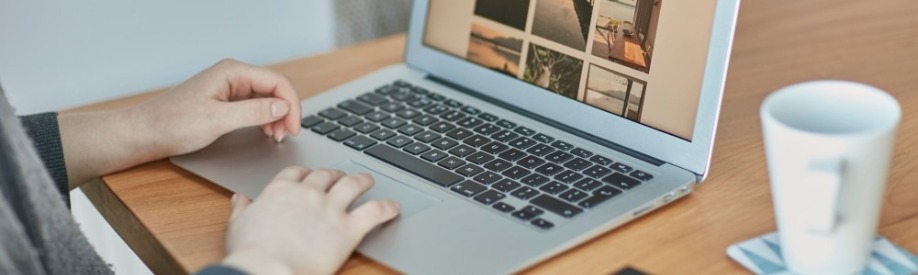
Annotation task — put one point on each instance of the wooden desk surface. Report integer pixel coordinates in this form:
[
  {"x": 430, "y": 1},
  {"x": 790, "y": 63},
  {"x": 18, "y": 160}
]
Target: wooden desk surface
[{"x": 176, "y": 221}]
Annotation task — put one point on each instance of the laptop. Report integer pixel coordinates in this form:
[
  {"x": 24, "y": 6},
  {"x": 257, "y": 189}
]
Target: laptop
[{"x": 514, "y": 130}]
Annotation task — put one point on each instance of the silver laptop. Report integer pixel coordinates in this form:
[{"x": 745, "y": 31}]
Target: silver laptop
[{"x": 515, "y": 129}]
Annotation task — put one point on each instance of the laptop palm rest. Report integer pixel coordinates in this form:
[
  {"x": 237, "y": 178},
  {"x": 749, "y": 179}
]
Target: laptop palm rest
[{"x": 411, "y": 200}]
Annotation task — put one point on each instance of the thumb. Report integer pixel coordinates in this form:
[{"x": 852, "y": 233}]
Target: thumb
[
  {"x": 255, "y": 111},
  {"x": 239, "y": 203}
]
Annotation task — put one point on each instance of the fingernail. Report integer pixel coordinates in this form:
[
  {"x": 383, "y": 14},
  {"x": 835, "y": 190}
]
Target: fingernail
[
  {"x": 280, "y": 136},
  {"x": 234, "y": 198},
  {"x": 268, "y": 132},
  {"x": 279, "y": 108}
]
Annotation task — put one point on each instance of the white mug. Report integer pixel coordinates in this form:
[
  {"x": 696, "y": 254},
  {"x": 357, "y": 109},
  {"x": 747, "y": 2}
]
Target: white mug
[{"x": 828, "y": 145}]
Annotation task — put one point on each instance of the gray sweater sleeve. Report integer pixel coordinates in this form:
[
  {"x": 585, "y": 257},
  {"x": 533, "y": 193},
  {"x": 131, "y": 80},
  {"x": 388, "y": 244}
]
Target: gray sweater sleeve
[{"x": 42, "y": 129}]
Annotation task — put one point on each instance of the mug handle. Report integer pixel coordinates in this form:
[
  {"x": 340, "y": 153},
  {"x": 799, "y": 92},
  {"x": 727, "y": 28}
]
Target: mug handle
[{"x": 824, "y": 185}]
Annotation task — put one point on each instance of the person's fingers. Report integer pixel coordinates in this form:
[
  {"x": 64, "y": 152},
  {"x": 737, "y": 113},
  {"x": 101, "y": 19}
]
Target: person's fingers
[
  {"x": 370, "y": 214},
  {"x": 348, "y": 189},
  {"x": 267, "y": 130},
  {"x": 292, "y": 173},
  {"x": 322, "y": 179},
  {"x": 251, "y": 112},
  {"x": 239, "y": 202},
  {"x": 248, "y": 81}
]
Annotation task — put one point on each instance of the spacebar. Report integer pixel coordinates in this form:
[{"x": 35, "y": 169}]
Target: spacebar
[{"x": 414, "y": 165}]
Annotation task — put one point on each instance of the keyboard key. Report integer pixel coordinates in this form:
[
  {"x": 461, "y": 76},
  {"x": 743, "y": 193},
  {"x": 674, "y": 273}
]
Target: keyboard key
[
  {"x": 549, "y": 169},
  {"x": 524, "y": 131},
  {"x": 350, "y": 121},
  {"x": 522, "y": 143},
  {"x": 601, "y": 160},
  {"x": 621, "y": 167},
  {"x": 408, "y": 113},
  {"x": 580, "y": 152},
  {"x": 498, "y": 165},
  {"x": 505, "y": 185},
  {"x": 392, "y": 107},
  {"x": 382, "y": 134},
  {"x": 426, "y": 136},
  {"x": 419, "y": 90},
  {"x": 451, "y": 163},
  {"x": 503, "y": 207},
  {"x": 469, "y": 170},
  {"x": 479, "y": 158},
  {"x": 515, "y": 172},
  {"x": 573, "y": 195},
  {"x": 468, "y": 188},
  {"x": 445, "y": 143},
  {"x": 530, "y": 162},
  {"x": 486, "y": 129},
  {"x": 470, "y": 122},
  {"x": 452, "y": 115},
  {"x": 494, "y": 147},
  {"x": 360, "y": 142},
  {"x": 512, "y": 155},
  {"x": 542, "y": 224},
  {"x": 310, "y": 121},
  {"x": 527, "y": 213},
  {"x": 410, "y": 130},
  {"x": 401, "y": 83},
  {"x": 505, "y": 136},
  {"x": 435, "y": 97},
  {"x": 540, "y": 150},
  {"x": 470, "y": 110},
  {"x": 425, "y": 120},
  {"x": 452, "y": 103},
  {"x": 436, "y": 109},
  {"x": 403, "y": 96},
  {"x": 602, "y": 194},
  {"x": 621, "y": 181},
  {"x": 355, "y": 107},
  {"x": 556, "y": 206},
  {"x": 393, "y": 123},
  {"x": 377, "y": 116},
  {"x": 534, "y": 180},
  {"x": 420, "y": 103},
  {"x": 414, "y": 165},
  {"x": 442, "y": 127},
  {"x": 332, "y": 113},
  {"x": 578, "y": 164},
  {"x": 554, "y": 187},
  {"x": 564, "y": 146},
  {"x": 476, "y": 141},
  {"x": 543, "y": 138},
  {"x": 341, "y": 134},
  {"x": 399, "y": 141},
  {"x": 506, "y": 124},
  {"x": 459, "y": 133},
  {"x": 568, "y": 176},
  {"x": 641, "y": 175},
  {"x": 416, "y": 148},
  {"x": 588, "y": 184},
  {"x": 559, "y": 157},
  {"x": 597, "y": 171},
  {"x": 386, "y": 90},
  {"x": 372, "y": 99},
  {"x": 433, "y": 155},
  {"x": 488, "y": 117},
  {"x": 460, "y": 151},
  {"x": 487, "y": 178},
  {"x": 325, "y": 128},
  {"x": 489, "y": 197}
]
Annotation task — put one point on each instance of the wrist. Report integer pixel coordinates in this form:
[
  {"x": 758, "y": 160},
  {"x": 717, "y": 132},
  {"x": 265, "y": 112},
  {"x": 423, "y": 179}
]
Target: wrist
[{"x": 256, "y": 263}]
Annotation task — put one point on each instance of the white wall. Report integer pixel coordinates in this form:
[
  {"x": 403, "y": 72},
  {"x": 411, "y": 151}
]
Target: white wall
[{"x": 59, "y": 54}]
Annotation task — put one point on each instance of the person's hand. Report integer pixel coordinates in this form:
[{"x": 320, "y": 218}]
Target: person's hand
[
  {"x": 300, "y": 224},
  {"x": 225, "y": 97}
]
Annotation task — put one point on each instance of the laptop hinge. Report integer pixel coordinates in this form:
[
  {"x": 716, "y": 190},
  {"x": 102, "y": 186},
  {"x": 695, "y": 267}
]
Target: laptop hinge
[{"x": 549, "y": 122}]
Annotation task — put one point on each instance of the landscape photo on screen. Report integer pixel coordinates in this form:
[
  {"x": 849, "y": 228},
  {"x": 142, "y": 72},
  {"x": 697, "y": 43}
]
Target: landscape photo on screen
[
  {"x": 549, "y": 69},
  {"x": 625, "y": 32},
  {"x": 566, "y": 22},
  {"x": 512, "y": 13},
  {"x": 494, "y": 50},
  {"x": 614, "y": 93}
]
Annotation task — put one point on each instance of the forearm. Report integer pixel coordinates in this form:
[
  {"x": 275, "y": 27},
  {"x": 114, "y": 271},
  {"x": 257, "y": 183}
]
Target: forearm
[{"x": 99, "y": 143}]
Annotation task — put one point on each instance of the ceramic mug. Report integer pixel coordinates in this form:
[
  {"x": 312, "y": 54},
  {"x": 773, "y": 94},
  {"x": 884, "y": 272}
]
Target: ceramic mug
[{"x": 828, "y": 145}]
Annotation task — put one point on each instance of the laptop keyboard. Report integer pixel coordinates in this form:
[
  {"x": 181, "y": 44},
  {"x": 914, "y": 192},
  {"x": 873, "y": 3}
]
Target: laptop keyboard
[{"x": 475, "y": 154}]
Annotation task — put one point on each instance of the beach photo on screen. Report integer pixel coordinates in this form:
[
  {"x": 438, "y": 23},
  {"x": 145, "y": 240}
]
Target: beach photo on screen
[
  {"x": 614, "y": 92},
  {"x": 552, "y": 70},
  {"x": 625, "y": 32},
  {"x": 564, "y": 21},
  {"x": 494, "y": 50},
  {"x": 512, "y": 13}
]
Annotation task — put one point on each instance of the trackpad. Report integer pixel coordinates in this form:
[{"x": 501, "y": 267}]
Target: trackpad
[{"x": 411, "y": 200}]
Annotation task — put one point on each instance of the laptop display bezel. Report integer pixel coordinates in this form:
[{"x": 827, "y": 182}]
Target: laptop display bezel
[{"x": 693, "y": 154}]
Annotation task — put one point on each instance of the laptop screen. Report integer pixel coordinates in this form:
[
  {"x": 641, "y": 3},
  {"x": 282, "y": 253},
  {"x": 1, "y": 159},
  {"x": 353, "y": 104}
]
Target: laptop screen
[{"x": 642, "y": 60}]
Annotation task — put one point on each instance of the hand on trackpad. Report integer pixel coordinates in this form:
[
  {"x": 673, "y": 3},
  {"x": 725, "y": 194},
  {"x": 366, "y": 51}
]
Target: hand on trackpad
[{"x": 411, "y": 200}]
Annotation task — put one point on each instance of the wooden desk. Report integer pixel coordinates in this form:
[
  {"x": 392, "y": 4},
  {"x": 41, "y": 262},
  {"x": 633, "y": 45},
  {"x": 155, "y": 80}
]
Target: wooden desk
[{"x": 176, "y": 222}]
